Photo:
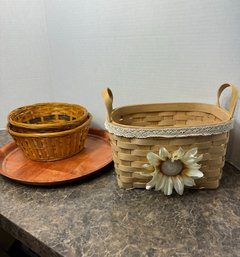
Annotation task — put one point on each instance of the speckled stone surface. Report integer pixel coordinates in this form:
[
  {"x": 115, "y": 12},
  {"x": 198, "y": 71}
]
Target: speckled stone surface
[{"x": 96, "y": 218}]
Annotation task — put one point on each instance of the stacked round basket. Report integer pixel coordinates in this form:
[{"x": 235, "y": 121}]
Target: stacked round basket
[
  {"x": 49, "y": 131},
  {"x": 136, "y": 130}
]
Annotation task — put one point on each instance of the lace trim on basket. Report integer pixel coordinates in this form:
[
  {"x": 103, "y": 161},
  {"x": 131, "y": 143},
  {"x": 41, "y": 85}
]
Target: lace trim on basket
[{"x": 169, "y": 132}]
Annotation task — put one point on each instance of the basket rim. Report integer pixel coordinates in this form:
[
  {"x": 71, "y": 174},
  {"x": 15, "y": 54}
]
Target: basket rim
[
  {"x": 225, "y": 116},
  {"x": 45, "y": 126},
  {"x": 136, "y": 131},
  {"x": 53, "y": 134},
  {"x": 140, "y": 132}
]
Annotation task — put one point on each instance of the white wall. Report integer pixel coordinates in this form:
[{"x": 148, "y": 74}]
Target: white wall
[{"x": 145, "y": 50}]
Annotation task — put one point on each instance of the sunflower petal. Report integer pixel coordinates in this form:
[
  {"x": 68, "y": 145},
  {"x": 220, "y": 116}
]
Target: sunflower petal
[
  {"x": 162, "y": 182},
  {"x": 178, "y": 154},
  {"x": 199, "y": 158},
  {"x": 192, "y": 160},
  {"x": 152, "y": 182},
  {"x": 168, "y": 186},
  {"x": 145, "y": 174},
  {"x": 194, "y": 166},
  {"x": 163, "y": 153},
  {"x": 194, "y": 173},
  {"x": 191, "y": 153},
  {"x": 149, "y": 185},
  {"x": 178, "y": 184},
  {"x": 188, "y": 181},
  {"x": 153, "y": 159},
  {"x": 188, "y": 161},
  {"x": 148, "y": 167},
  {"x": 158, "y": 182}
]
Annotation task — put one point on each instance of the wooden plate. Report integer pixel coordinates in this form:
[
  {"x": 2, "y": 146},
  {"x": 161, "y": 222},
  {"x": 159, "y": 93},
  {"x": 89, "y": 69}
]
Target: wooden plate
[{"x": 96, "y": 154}]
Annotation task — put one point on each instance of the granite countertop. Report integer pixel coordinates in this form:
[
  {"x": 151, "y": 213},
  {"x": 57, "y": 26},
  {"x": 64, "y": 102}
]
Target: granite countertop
[{"x": 96, "y": 218}]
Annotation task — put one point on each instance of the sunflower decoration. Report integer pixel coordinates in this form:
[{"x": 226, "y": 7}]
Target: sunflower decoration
[{"x": 172, "y": 170}]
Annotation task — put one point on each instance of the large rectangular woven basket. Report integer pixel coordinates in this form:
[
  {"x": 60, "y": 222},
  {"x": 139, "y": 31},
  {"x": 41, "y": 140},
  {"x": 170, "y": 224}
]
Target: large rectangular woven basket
[{"x": 195, "y": 128}]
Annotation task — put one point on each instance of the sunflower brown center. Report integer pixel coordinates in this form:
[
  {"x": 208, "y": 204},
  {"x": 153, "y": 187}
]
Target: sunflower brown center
[{"x": 171, "y": 168}]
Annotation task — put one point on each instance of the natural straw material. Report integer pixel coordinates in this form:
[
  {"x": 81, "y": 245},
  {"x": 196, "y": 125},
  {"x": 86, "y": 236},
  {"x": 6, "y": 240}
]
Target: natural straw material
[
  {"x": 139, "y": 129},
  {"x": 47, "y": 117},
  {"x": 52, "y": 146}
]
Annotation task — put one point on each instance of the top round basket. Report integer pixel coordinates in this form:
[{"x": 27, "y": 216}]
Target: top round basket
[{"x": 45, "y": 117}]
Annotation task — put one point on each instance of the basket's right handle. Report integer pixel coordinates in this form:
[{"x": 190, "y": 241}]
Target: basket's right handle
[
  {"x": 108, "y": 100},
  {"x": 233, "y": 99}
]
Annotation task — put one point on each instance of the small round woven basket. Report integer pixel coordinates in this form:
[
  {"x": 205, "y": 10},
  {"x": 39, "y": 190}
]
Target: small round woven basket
[
  {"x": 137, "y": 130},
  {"x": 54, "y": 145},
  {"x": 47, "y": 117}
]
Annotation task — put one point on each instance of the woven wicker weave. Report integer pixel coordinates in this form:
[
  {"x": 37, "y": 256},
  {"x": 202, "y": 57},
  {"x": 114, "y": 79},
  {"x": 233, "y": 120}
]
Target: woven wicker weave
[
  {"x": 47, "y": 117},
  {"x": 138, "y": 129},
  {"x": 52, "y": 146}
]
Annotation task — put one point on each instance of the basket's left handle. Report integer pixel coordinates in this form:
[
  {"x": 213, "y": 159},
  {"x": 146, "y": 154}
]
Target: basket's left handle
[
  {"x": 108, "y": 100},
  {"x": 233, "y": 99}
]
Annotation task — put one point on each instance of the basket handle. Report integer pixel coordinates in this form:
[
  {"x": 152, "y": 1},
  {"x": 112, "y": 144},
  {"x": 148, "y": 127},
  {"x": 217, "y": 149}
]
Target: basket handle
[
  {"x": 108, "y": 100},
  {"x": 233, "y": 99}
]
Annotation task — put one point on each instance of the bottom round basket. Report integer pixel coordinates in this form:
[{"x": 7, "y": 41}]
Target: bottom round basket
[{"x": 52, "y": 146}]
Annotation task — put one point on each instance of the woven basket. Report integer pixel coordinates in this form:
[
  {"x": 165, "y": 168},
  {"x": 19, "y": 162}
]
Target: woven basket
[
  {"x": 47, "y": 117},
  {"x": 137, "y": 130},
  {"x": 52, "y": 146}
]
